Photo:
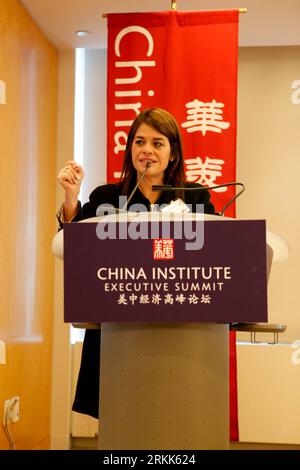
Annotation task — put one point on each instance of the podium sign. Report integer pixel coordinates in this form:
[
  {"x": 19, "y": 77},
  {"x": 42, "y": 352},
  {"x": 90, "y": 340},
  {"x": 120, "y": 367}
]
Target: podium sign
[{"x": 159, "y": 280}]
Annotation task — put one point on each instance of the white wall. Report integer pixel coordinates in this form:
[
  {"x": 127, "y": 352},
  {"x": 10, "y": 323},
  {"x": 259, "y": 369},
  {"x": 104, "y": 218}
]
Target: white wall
[{"x": 268, "y": 163}]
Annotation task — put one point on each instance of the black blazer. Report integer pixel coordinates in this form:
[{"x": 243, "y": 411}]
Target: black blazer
[
  {"x": 110, "y": 193},
  {"x": 87, "y": 390}
]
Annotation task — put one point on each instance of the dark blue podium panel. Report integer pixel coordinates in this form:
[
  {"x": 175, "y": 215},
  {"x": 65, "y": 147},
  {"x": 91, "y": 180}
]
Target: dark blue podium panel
[{"x": 120, "y": 279}]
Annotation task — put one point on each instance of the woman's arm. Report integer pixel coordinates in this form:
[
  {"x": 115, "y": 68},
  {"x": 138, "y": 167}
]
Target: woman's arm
[{"x": 70, "y": 178}]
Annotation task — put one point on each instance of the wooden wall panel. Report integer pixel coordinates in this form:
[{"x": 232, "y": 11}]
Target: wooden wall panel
[{"x": 28, "y": 66}]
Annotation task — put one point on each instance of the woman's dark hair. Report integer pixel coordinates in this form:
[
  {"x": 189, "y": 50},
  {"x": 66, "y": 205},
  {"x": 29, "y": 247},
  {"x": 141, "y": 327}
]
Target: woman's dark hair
[{"x": 162, "y": 121}]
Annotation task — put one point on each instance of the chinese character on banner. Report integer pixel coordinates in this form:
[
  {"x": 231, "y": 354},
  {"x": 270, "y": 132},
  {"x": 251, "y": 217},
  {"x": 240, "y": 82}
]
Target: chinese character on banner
[
  {"x": 163, "y": 248},
  {"x": 205, "y": 117},
  {"x": 204, "y": 172}
]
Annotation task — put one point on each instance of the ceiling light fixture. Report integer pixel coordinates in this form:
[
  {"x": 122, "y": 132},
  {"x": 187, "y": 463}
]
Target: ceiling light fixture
[{"x": 83, "y": 33}]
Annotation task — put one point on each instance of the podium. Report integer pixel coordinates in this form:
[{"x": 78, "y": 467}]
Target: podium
[{"x": 164, "y": 373}]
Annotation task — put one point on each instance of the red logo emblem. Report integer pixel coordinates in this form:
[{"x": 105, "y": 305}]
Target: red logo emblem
[{"x": 163, "y": 248}]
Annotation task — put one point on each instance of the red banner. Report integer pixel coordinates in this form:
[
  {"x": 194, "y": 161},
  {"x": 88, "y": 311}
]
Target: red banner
[{"x": 185, "y": 62}]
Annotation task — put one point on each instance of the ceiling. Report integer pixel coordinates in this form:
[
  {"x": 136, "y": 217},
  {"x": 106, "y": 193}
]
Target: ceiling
[{"x": 266, "y": 23}]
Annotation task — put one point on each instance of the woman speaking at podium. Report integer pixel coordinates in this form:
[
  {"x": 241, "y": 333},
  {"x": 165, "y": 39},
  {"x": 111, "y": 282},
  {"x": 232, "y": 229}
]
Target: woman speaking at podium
[{"x": 153, "y": 156}]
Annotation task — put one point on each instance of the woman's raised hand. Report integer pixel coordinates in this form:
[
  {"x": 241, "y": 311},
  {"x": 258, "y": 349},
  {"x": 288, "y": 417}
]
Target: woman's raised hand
[{"x": 70, "y": 178}]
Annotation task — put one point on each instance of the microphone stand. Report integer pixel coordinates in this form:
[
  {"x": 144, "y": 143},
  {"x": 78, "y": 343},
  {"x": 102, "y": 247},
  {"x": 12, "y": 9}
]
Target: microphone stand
[
  {"x": 148, "y": 164},
  {"x": 232, "y": 199},
  {"x": 169, "y": 187}
]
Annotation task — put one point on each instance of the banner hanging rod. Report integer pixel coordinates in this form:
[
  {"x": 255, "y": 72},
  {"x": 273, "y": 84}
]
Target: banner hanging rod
[{"x": 173, "y": 8}]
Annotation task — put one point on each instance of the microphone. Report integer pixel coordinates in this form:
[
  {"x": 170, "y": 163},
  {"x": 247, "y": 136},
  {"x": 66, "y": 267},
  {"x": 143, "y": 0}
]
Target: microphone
[
  {"x": 148, "y": 164},
  {"x": 169, "y": 187}
]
